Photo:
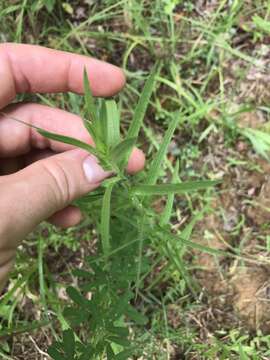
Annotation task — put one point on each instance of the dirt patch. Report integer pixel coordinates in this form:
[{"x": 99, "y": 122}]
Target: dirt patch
[
  {"x": 210, "y": 275},
  {"x": 259, "y": 211},
  {"x": 31, "y": 346},
  {"x": 238, "y": 211},
  {"x": 252, "y": 119},
  {"x": 215, "y": 232},
  {"x": 251, "y": 299},
  {"x": 248, "y": 82}
]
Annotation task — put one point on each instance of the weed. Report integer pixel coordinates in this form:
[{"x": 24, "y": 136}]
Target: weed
[{"x": 102, "y": 306}]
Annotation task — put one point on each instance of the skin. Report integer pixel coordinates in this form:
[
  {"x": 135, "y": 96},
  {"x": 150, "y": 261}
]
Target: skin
[{"x": 39, "y": 177}]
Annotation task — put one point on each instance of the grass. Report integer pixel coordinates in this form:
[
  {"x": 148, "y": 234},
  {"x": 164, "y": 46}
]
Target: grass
[{"x": 205, "y": 54}]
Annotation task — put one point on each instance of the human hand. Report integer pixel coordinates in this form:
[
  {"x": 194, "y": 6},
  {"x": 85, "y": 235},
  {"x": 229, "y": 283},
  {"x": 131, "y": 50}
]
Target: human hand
[{"x": 39, "y": 177}]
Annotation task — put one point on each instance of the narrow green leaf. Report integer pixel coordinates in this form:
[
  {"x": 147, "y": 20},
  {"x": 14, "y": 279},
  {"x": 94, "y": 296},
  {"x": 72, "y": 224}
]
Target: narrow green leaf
[
  {"x": 141, "y": 107},
  {"x": 49, "y": 5},
  {"x": 101, "y": 125},
  {"x": 137, "y": 317},
  {"x": 80, "y": 273},
  {"x": 69, "y": 343},
  {"x": 141, "y": 237},
  {"x": 57, "y": 137},
  {"x": 155, "y": 167},
  {"x": 119, "y": 331},
  {"x": 187, "y": 231},
  {"x": 76, "y": 297},
  {"x": 205, "y": 249},
  {"x": 165, "y": 189},
  {"x": 194, "y": 245},
  {"x": 119, "y": 340},
  {"x": 178, "y": 262},
  {"x": 110, "y": 353},
  {"x": 87, "y": 353},
  {"x": 167, "y": 213},
  {"x": 54, "y": 353},
  {"x": 125, "y": 354},
  {"x": 91, "y": 122},
  {"x": 113, "y": 123},
  {"x": 91, "y": 110},
  {"x": 90, "y": 128},
  {"x": 105, "y": 220},
  {"x": 260, "y": 141},
  {"x": 121, "y": 151},
  {"x": 88, "y": 199},
  {"x": 23, "y": 328},
  {"x": 107, "y": 126},
  {"x": 242, "y": 354},
  {"x": 68, "y": 140},
  {"x": 75, "y": 316},
  {"x": 262, "y": 24}
]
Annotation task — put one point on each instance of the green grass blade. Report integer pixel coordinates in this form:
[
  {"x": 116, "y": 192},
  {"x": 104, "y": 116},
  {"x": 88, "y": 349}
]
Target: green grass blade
[
  {"x": 34, "y": 325},
  {"x": 105, "y": 220},
  {"x": 177, "y": 261},
  {"x": 68, "y": 140},
  {"x": 140, "y": 254},
  {"x": 259, "y": 140},
  {"x": 262, "y": 24},
  {"x": 187, "y": 231},
  {"x": 205, "y": 249},
  {"x": 242, "y": 354},
  {"x": 155, "y": 167},
  {"x": 167, "y": 213},
  {"x": 165, "y": 189},
  {"x": 42, "y": 283},
  {"x": 141, "y": 107}
]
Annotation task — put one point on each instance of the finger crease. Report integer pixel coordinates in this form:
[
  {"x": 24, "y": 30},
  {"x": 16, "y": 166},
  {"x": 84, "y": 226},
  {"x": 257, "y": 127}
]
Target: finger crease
[
  {"x": 20, "y": 86},
  {"x": 69, "y": 72}
]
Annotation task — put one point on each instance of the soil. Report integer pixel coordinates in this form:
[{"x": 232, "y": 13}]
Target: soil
[
  {"x": 251, "y": 300},
  {"x": 230, "y": 282},
  {"x": 240, "y": 284}
]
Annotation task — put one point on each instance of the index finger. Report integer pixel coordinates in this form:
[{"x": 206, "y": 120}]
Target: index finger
[{"x": 30, "y": 69}]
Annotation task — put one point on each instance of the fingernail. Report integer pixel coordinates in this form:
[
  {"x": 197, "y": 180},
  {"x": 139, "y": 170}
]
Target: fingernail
[{"x": 93, "y": 171}]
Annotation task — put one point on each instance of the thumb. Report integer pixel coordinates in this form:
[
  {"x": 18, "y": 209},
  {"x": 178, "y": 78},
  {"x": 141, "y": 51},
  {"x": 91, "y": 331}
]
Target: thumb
[{"x": 43, "y": 188}]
